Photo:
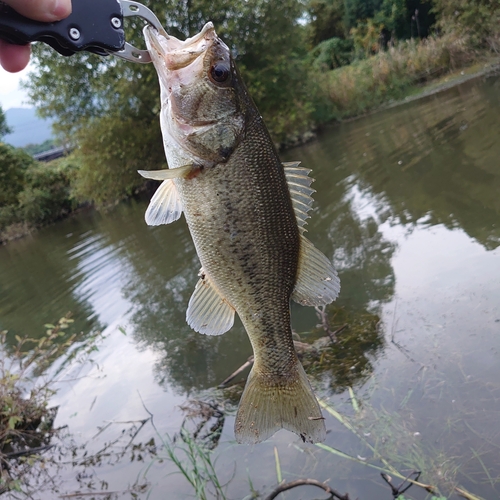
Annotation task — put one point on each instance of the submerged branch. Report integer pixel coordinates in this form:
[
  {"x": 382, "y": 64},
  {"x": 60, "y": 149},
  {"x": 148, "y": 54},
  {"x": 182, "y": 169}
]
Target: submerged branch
[
  {"x": 304, "y": 482},
  {"x": 249, "y": 362}
]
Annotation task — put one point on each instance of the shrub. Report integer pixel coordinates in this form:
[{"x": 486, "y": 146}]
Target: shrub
[
  {"x": 368, "y": 83},
  {"x": 46, "y": 196},
  {"x": 13, "y": 166},
  {"x": 477, "y": 20},
  {"x": 332, "y": 53},
  {"x": 111, "y": 150}
]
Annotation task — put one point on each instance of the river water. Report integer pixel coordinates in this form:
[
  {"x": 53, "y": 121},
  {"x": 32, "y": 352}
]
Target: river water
[{"x": 408, "y": 208}]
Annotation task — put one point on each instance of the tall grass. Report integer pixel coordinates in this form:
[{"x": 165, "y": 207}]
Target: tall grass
[{"x": 365, "y": 84}]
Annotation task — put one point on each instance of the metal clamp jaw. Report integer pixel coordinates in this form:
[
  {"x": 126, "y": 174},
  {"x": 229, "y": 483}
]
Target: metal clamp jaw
[{"x": 94, "y": 26}]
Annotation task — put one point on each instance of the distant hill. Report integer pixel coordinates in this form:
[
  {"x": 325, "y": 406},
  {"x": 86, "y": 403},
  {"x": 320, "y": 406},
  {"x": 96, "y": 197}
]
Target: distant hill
[{"x": 27, "y": 127}]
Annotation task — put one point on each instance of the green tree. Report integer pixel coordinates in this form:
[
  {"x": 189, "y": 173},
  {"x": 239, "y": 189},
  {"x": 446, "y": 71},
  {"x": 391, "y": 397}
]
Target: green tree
[
  {"x": 111, "y": 106},
  {"x": 393, "y": 16},
  {"x": 14, "y": 164},
  {"x": 478, "y": 20},
  {"x": 326, "y": 20},
  {"x": 359, "y": 10},
  {"x": 4, "y": 128}
]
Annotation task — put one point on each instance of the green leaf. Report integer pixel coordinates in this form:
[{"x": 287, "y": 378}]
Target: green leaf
[{"x": 13, "y": 421}]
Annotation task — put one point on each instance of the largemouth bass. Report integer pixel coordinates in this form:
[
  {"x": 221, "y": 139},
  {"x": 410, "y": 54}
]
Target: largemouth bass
[{"x": 245, "y": 211}]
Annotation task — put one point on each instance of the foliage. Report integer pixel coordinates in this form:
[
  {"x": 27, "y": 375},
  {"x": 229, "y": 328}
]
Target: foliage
[
  {"x": 392, "y": 16},
  {"x": 332, "y": 53},
  {"x": 110, "y": 107},
  {"x": 325, "y": 21},
  {"x": 110, "y": 155},
  {"x": 31, "y": 192},
  {"x": 4, "y": 128},
  {"x": 34, "y": 149},
  {"x": 13, "y": 166},
  {"x": 368, "y": 83},
  {"x": 26, "y": 418},
  {"x": 366, "y": 38},
  {"x": 479, "y": 20},
  {"x": 46, "y": 196},
  {"x": 398, "y": 19}
]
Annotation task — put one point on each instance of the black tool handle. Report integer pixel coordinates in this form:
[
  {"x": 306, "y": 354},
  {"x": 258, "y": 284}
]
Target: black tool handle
[{"x": 94, "y": 25}]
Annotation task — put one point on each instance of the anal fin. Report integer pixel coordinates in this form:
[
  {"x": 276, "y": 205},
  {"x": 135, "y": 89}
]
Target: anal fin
[
  {"x": 317, "y": 282},
  {"x": 208, "y": 312}
]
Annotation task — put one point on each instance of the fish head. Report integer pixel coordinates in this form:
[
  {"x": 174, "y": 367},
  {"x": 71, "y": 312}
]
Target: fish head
[{"x": 204, "y": 102}]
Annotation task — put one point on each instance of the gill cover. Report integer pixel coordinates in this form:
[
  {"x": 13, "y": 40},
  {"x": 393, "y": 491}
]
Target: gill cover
[{"x": 201, "y": 112}]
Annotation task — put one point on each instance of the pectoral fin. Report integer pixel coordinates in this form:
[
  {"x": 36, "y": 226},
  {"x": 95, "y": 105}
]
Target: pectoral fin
[
  {"x": 165, "y": 205},
  {"x": 208, "y": 312},
  {"x": 170, "y": 173},
  {"x": 317, "y": 281}
]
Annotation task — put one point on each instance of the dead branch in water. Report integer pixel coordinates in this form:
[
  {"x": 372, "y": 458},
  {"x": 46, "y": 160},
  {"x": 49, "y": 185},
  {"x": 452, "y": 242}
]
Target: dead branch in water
[
  {"x": 399, "y": 490},
  {"x": 300, "y": 347},
  {"x": 304, "y": 482},
  {"x": 248, "y": 362},
  {"x": 322, "y": 316}
]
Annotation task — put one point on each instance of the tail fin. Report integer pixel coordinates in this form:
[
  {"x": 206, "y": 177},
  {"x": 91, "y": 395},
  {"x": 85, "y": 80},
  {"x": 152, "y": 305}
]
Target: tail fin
[{"x": 267, "y": 406}]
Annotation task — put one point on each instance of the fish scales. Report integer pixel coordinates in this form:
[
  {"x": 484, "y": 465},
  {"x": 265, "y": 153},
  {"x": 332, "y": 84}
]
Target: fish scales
[
  {"x": 245, "y": 212},
  {"x": 247, "y": 239}
]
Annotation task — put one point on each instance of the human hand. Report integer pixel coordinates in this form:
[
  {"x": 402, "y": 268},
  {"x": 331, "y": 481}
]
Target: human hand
[{"x": 14, "y": 58}]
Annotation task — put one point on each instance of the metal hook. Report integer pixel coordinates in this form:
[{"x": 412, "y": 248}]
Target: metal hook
[{"x": 135, "y": 9}]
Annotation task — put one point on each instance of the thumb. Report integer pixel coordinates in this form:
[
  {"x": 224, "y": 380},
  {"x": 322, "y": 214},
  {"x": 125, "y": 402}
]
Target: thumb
[{"x": 42, "y": 10}]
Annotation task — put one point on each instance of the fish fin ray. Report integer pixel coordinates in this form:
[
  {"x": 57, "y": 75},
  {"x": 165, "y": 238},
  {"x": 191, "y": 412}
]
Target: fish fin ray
[
  {"x": 317, "y": 281},
  {"x": 290, "y": 164},
  {"x": 267, "y": 407},
  {"x": 299, "y": 184},
  {"x": 165, "y": 205},
  {"x": 208, "y": 312},
  {"x": 168, "y": 173}
]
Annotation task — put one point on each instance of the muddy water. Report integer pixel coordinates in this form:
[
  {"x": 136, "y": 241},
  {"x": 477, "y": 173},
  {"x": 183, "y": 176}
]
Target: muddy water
[{"x": 408, "y": 207}]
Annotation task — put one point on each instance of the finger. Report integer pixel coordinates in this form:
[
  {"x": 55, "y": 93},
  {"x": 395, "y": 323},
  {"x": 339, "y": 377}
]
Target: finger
[
  {"x": 14, "y": 58},
  {"x": 42, "y": 10}
]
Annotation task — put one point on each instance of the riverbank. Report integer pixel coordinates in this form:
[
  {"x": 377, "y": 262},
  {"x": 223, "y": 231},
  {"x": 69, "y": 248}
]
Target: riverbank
[
  {"x": 356, "y": 90},
  {"x": 405, "y": 72}
]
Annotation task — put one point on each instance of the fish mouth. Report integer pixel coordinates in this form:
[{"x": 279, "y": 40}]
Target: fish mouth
[{"x": 174, "y": 54}]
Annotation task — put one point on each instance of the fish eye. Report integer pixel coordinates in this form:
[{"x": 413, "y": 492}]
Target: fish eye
[{"x": 219, "y": 72}]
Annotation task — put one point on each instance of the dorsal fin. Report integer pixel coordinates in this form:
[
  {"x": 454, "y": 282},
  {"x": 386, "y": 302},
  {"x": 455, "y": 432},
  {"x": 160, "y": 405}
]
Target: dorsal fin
[{"x": 299, "y": 184}]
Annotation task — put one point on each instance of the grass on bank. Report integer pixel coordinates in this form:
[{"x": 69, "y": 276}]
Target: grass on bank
[
  {"x": 390, "y": 75},
  {"x": 26, "y": 417}
]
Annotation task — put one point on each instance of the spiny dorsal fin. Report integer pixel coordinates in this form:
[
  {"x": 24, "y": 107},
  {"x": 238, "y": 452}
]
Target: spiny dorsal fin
[
  {"x": 208, "y": 312},
  {"x": 165, "y": 205},
  {"x": 317, "y": 281},
  {"x": 299, "y": 184}
]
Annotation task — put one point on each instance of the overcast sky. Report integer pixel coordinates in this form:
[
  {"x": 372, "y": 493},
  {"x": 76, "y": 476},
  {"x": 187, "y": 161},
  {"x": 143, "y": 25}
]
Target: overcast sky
[{"x": 11, "y": 96}]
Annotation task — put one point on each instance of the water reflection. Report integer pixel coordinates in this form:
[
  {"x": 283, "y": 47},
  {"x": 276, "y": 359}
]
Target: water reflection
[
  {"x": 159, "y": 286},
  {"x": 39, "y": 281},
  {"x": 435, "y": 160}
]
